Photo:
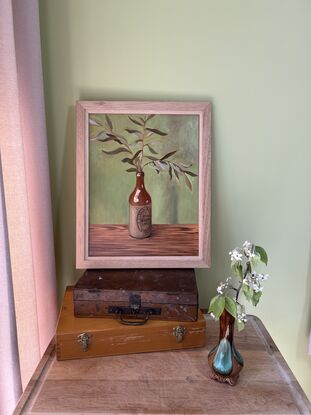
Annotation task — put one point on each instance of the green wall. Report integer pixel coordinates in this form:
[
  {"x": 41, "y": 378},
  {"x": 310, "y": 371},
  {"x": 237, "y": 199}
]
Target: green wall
[{"x": 252, "y": 59}]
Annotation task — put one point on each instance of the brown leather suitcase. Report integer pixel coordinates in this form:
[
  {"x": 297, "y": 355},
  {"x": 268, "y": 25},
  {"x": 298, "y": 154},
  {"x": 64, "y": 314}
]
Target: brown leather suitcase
[
  {"x": 160, "y": 294},
  {"x": 78, "y": 338}
]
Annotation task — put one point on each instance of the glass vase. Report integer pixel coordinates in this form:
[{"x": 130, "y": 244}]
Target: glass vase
[{"x": 224, "y": 360}]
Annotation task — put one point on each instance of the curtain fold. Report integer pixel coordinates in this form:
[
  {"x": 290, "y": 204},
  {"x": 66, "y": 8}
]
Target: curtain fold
[
  {"x": 26, "y": 186},
  {"x": 10, "y": 381}
]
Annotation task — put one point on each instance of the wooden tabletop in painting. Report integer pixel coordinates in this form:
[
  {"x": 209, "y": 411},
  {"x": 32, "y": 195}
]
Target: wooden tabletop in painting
[
  {"x": 167, "y": 382},
  {"x": 166, "y": 240}
]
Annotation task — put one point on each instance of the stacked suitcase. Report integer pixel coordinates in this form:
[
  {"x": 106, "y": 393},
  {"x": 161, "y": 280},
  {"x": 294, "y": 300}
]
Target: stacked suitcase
[{"x": 112, "y": 312}]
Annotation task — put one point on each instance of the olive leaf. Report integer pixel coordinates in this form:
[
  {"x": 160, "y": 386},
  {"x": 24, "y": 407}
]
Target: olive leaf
[
  {"x": 152, "y": 151},
  {"x": 176, "y": 174},
  {"x": 110, "y": 137},
  {"x": 127, "y": 160},
  {"x": 93, "y": 122},
  {"x": 150, "y": 116},
  {"x": 170, "y": 172},
  {"x": 188, "y": 182},
  {"x": 156, "y": 131},
  {"x": 97, "y": 118},
  {"x": 117, "y": 151},
  {"x": 109, "y": 122},
  {"x": 151, "y": 158},
  {"x": 136, "y": 154},
  {"x": 131, "y": 131},
  {"x": 136, "y": 121},
  {"x": 190, "y": 173},
  {"x": 131, "y": 169},
  {"x": 171, "y": 153}
]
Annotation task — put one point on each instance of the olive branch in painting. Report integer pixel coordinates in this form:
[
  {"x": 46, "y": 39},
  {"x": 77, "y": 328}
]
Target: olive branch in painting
[{"x": 137, "y": 146}]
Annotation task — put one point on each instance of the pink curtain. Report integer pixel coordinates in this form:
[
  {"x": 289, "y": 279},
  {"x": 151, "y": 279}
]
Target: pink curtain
[{"x": 29, "y": 298}]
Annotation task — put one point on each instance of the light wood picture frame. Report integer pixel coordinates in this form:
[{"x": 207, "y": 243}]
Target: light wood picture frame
[{"x": 171, "y": 141}]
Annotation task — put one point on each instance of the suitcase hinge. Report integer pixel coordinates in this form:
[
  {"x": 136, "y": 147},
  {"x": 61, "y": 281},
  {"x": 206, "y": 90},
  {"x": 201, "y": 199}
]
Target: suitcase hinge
[
  {"x": 85, "y": 340},
  {"x": 179, "y": 333}
]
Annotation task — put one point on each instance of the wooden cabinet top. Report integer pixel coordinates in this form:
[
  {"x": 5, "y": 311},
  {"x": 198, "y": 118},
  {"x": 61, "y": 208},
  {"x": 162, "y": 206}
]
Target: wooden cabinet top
[{"x": 167, "y": 382}]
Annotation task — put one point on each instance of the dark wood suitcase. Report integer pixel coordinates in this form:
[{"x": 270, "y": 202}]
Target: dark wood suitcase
[
  {"x": 162, "y": 294},
  {"x": 78, "y": 338}
]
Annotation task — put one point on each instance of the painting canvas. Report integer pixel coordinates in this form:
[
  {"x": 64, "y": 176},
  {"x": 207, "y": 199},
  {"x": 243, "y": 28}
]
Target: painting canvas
[{"x": 143, "y": 184}]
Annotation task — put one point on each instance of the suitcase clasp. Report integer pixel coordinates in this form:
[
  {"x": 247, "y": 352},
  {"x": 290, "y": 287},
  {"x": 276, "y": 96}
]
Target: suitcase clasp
[
  {"x": 85, "y": 340},
  {"x": 179, "y": 333},
  {"x": 135, "y": 303}
]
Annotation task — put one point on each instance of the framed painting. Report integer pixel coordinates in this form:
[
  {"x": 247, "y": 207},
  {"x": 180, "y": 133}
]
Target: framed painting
[{"x": 143, "y": 184}]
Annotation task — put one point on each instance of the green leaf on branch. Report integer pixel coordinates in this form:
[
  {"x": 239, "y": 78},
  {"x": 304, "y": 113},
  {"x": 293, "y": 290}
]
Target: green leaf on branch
[
  {"x": 230, "y": 306},
  {"x": 240, "y": 325},
  {"x": 136, "y": 132},
  {"x": 262, "y": 253},
  {"x": 152, "y": 151},
  {"x": 150, "y": 116},
  {"x": 171, "y": 153},
  {"x": 188, "y": 182},
  {"x": 248, "y": 292},
  {"x": 217, "y": 306},
  {"x": 127, "y": 160},
  {"x": 136, "y": 155},
  {"x": 190, "y": 173},
  {"x": 254, "y": 261},
  {"x": 256, "y": 297},
  {"x": 136, "y": 121},
  {"x": 237, "y": 270},
  {"x": 176, "y": 173},
  {"x": 117, "y": 151},
  {"x": 109, "y": 122},
  {"x": 109, "y": 138},
  {"x": 156, "y": 131}
]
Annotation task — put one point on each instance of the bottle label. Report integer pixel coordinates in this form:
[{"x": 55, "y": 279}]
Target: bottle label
[{"x": 140, "y": 221}]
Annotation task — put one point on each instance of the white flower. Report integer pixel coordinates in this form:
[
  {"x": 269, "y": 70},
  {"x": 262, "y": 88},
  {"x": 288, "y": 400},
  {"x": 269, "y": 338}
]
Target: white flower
[
  {"x": 242, "y": 317},
  {"x": 249, "y": 249},
  {"x": 253, "y": 281},
  {"x": 221, "y": 287},
  {"x": 262, "y": 277},
  {"x": 236, "y": 255},
  {"x": 219, "y": 290}
]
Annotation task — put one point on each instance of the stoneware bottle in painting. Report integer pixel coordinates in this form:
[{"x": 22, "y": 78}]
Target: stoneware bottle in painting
[{"x": 140, "y": 225}]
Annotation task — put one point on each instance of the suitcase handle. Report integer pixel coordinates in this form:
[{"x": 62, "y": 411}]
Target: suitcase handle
[{"x": 135, "y": 322}]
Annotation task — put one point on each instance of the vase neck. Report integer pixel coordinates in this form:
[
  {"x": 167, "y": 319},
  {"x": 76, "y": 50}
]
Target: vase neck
[
  {"x": 226, "y": 326},
  {"x": 140, "y": 183}
]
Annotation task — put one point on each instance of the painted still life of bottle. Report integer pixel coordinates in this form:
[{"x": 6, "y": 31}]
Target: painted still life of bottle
[{"x": 144, "y": 175}]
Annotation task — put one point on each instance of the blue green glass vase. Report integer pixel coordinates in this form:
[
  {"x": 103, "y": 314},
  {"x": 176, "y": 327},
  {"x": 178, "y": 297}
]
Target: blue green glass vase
[{"x": 224, "y": 360}]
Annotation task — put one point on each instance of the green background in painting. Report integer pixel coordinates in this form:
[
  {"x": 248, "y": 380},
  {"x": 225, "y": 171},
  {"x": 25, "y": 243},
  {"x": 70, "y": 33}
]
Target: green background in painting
[{"x": 110, "y": 184}]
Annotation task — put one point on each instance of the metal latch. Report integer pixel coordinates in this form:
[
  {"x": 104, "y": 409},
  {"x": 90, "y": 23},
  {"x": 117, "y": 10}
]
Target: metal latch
[
  {"x": 85, "y": 340},
  {"x": 135, "y": 303},
  {"x": 179, "y": 333}
]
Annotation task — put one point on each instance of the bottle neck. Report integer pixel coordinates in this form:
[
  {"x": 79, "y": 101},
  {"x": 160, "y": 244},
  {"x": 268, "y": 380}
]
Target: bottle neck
[{"x": 140, "y": 183}]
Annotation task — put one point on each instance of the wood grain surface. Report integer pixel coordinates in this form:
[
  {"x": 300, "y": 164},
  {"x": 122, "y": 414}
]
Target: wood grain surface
[
  {"x": 169, "y": 383},
  {"x": 166, "y": 240},
  {"x": 109, "y": 337}
]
